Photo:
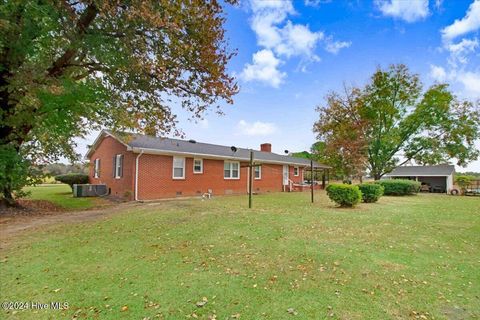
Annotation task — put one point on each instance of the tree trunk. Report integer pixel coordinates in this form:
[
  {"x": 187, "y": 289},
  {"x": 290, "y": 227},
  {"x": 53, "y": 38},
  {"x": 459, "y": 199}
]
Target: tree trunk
[{"x": 7, "y": 199}]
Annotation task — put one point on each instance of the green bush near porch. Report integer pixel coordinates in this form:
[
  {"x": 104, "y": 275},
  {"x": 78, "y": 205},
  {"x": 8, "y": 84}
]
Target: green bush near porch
[
  {"x": 345, "y": 195},
  {"x": 371, "y": 192}
]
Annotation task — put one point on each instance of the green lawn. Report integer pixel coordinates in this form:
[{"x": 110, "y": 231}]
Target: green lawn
[
  {"x": 61, "y": 195},
  {"x": 412, "y": 257}
]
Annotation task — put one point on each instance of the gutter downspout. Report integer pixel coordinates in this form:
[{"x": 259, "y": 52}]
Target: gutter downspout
[{"x": 136, "y": 175}]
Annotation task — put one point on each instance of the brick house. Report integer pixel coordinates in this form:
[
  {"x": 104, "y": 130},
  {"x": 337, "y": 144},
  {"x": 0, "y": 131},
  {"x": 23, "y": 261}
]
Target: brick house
[{"x": 140, "y": 167}]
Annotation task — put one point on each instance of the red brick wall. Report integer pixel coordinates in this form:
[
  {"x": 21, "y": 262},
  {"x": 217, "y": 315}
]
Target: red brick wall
[
  {"x": 106, "y": 150},
  {"x": 156, "y": 181}
]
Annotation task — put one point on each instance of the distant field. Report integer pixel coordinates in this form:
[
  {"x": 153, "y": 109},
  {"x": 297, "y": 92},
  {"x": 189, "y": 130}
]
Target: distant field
[
  {"x": 49, "y": 180},
  {"x": 61, "y": 195},
  {"x": 402, "y": 258}
]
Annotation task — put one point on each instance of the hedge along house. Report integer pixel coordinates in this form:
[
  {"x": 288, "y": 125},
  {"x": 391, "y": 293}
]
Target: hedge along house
[
  {"x": 140, "y": 167},
  {"x": 433, "y": 178}
]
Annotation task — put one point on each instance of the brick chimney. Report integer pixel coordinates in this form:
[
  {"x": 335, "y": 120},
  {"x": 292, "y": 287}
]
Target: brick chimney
[{"x": 267, "y": 147}]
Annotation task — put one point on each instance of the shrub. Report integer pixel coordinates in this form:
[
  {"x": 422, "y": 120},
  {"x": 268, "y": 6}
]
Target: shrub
[
  {"x": 345, "y": 195},
  {"x": 399, "y": 187},
  {"x": 371, "y": 192},
  {"x": 16, "y": 173},
  {"x": 464, "y": 181},
  {"x": 72, "y": 178}
]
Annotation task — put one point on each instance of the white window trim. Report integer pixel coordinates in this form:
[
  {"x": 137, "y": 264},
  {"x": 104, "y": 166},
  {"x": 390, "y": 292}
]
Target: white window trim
[
  {"x": 298, "y": 171},
  {"x": 231, "y": 170},
  {"x": 259, "y": 173},
  {"x": 173, "y": 169},
  {"x": 117, "y": 166},
  {"x": 96, "y": 168},
  {"x": 201, "y": 165}
]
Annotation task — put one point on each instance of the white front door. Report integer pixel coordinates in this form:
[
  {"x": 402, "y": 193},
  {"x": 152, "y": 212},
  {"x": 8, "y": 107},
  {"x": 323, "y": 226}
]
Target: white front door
[{"x": 285, "y": 175}]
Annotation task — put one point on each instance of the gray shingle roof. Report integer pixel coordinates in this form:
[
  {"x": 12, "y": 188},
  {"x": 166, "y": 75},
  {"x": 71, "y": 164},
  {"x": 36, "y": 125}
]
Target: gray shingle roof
[
  {"x": 439, "y": 170},
  {"x": 138, "y": 141}
]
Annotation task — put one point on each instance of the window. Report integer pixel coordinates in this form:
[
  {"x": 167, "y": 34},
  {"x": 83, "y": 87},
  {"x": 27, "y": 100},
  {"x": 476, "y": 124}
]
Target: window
[
  {"x": 96, "y": 168},
  {"x": 258, "y": 172},
  {"x": 295, "y": 171},
  {"x": 231, "y": 170},
  {"x": 178, "y": 168},
  {"x": 197, "y": 165},
  {"x": 118, "y": 166}
]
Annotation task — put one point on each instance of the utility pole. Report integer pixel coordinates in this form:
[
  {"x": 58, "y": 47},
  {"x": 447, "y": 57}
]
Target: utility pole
[
  {"x": 250, "y": 177},
  {"x": 312, "y": 179}
]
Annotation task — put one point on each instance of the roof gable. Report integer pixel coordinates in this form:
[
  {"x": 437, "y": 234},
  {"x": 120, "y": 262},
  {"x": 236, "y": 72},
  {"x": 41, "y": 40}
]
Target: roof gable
[{"x": 437, "y": 170}]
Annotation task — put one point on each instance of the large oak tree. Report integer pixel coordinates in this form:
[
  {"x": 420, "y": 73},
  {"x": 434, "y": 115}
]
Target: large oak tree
[
  {"x": 69, "y": 66},
  {"x": 392, "y": 120}
]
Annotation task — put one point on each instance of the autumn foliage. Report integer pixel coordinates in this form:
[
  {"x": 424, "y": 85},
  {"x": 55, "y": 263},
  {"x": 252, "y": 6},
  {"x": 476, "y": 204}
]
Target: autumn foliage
[
  {"x": 392, "y": 120},
  {"x": 70, "y": 66}
]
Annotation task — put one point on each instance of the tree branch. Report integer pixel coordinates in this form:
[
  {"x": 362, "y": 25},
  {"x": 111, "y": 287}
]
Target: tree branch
[{"x": 85, "y": 20}]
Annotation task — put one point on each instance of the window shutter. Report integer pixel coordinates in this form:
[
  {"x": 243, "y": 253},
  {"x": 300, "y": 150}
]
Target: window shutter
[
  {"x": 114, "y": 166},
  {"x": 121, "y": 165},
  {"x": 98, "y": 168}
]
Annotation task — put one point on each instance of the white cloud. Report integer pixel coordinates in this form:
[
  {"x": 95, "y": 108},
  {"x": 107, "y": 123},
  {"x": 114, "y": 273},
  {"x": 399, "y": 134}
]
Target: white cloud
[
  {"x": 410, "y": 11},
  {"x": 459, "y": 51},
  {"x": 280, "y": 5},
  {"x": 289, "y": 39},
  {"x": 471, "y": 83},
  {"x": 281, "y": 39},
  {"x": 298, "y": 40},
  {"x": 335, "y": 46},
  {"x": 256, "y": 128},
  {"x": 467, "y": 24},
  {"x": 438, "y": 73},
  {"x": 316, "y": 3},
  {"x": 266, "y": 16},
  {"x": 264, "y": 69},
  {"x": 460, "y": 69}
]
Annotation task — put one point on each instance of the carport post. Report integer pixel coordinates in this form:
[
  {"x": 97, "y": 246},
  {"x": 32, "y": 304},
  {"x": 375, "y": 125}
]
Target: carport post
[
  {"x": 311, "y": 182},
  {"x": 323, "y": 179}
]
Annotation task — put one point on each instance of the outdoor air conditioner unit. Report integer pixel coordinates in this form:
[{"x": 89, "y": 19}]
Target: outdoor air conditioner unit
[{"x": 90, "y": 190}]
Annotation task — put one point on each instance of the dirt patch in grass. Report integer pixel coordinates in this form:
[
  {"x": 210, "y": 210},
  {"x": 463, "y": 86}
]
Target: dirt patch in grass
[
  {"x": 27, "y": 207},
  {"x": 12, "y": 225}
]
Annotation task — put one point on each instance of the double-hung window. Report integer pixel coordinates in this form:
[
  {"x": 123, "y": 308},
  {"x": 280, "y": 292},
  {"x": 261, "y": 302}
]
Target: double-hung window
[
  {"x": 197, "y": 165},
  {"x": 258, "y": 172},
  {"x": 178, "y": 168},
  {"x": 231, "y": 170},
  {"x": 96, "y": 168},
  {"x": 118, "y": 166},
  {"x": 295, "y": 171}
]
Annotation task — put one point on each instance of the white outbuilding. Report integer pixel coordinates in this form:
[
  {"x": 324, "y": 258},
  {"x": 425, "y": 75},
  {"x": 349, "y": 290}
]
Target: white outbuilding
[{"x": 437, "y": 178}]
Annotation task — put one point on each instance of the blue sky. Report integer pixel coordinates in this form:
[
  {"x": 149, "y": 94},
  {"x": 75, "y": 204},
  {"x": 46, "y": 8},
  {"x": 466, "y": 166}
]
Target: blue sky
[{"x": 291, "y": 53}]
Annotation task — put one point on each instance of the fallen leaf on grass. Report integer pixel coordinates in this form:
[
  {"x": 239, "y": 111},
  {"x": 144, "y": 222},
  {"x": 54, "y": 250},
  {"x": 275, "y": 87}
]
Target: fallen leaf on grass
[
  {"x": 202, "y": 302},
  {"x": 235, "y": 316},
  {"x": 292, "y": 311}
]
